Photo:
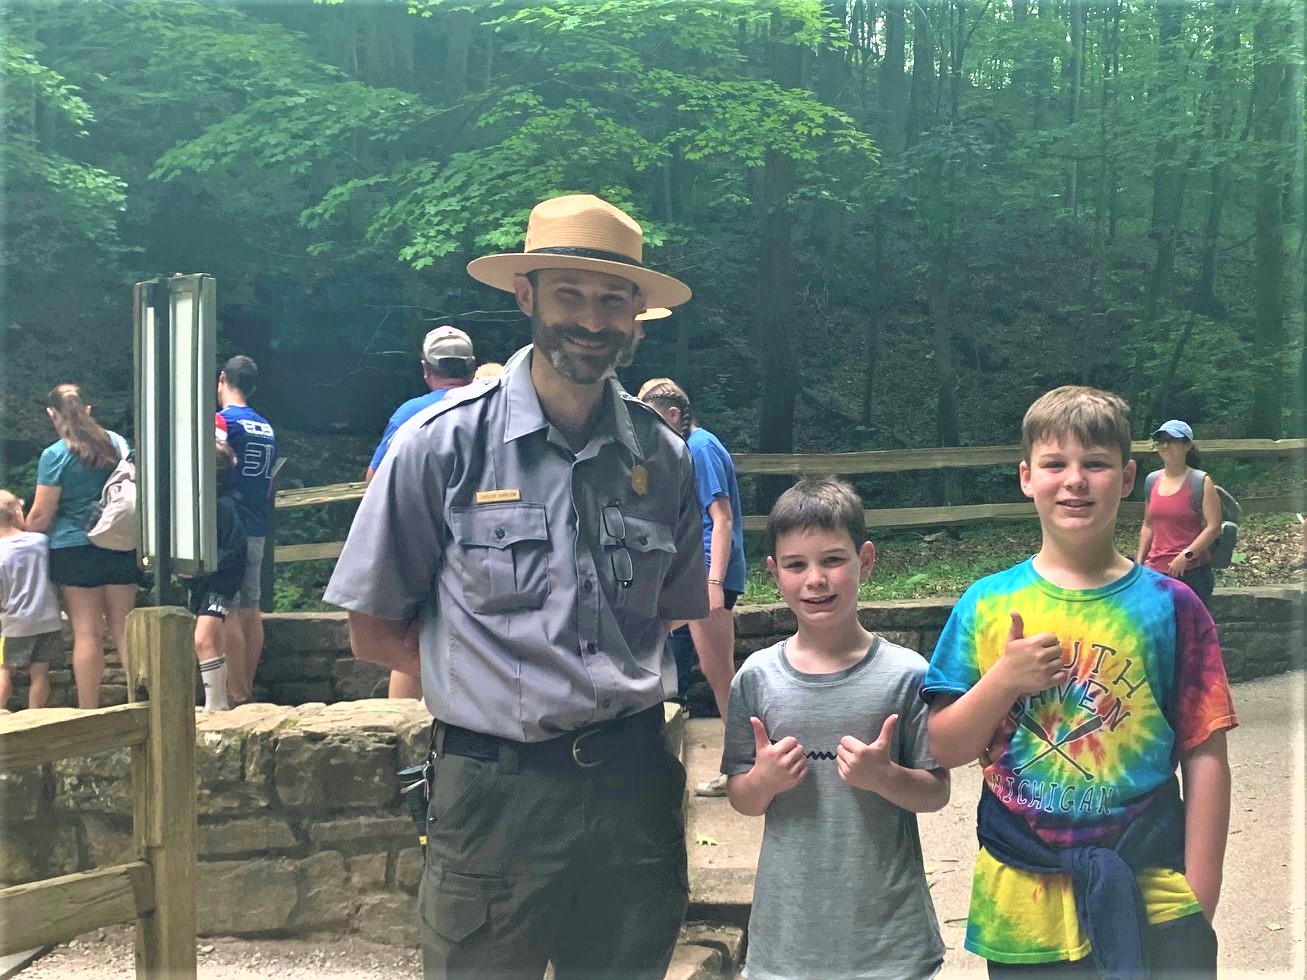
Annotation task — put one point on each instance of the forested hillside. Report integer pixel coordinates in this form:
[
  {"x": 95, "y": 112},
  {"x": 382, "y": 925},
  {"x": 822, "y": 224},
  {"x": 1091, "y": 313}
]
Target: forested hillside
[{"x": 902, "y": 221}]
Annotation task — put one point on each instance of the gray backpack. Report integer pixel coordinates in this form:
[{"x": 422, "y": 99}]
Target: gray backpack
[
  {"x": 1231, "y": 513},
  {"x": 111, "y": 520}
]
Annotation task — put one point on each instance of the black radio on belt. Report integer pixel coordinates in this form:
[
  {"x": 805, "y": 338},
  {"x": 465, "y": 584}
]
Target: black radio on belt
[{"x": 415, "y": 787}]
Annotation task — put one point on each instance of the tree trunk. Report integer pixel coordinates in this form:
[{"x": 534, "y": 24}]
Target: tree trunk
[
  {"x": 1167, "y": 187},
  {"x": 942, "y": 227},
  {"x": 1114, "y": 190},
  {"x": 893, "y": 91},
  {"x": 957, "y": 52},
  {"x": 923, "y": 66},
  {"x": 1042, "y": 95},
  {"x": 1225, "y": 39},
  {"x": 685, "y": 323},
  {"x": 1021, "y": 70},
  {"x": 1270, "y": 34},
  {"x": 776, "y": 296},
  {"x": 1157, "y": 406},
  {"x": 872, "y": 327},
  {"x": 458, "y": 39},
  {"x": 941, "y": 317},
  {"x": 833, "y": 62},
  {"x": 1075, "y": 83}
]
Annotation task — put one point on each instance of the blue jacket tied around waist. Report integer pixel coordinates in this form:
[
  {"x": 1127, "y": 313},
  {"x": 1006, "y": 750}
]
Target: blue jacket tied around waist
[{"x": 1108, "y": 902}]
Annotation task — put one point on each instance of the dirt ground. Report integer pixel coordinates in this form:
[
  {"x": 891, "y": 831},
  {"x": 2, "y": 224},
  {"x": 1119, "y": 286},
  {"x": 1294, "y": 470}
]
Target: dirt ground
[
  {"x": 1261, "y": 921},
  {"x": 107, "y": 955}
]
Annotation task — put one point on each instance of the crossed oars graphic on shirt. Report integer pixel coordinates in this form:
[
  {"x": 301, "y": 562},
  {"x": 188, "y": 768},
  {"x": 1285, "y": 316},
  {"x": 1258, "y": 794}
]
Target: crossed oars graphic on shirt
[{"x": 1077, "y": 733}]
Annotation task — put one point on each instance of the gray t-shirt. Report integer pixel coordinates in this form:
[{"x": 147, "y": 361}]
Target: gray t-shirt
[
  {"x": 28, "y": 606},
  {"x": 841, "y": 889}
]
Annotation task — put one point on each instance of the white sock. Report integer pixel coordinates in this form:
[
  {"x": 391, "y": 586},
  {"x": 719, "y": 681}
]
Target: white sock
[{"x": 214, "y": 675}]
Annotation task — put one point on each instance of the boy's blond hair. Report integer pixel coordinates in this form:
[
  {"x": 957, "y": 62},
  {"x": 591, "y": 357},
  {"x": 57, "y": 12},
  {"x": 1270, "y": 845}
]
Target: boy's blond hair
[
  {"x": 1090, "y": 416},
  {"x": 817, "y": 504},
  {"x": 11, "y": 510}
]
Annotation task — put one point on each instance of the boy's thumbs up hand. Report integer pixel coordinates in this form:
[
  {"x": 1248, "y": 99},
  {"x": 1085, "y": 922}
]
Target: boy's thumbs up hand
[
  {"x": 1030, "y": 664},
  {"x": 863, "y": 765},
  {"x": 778, "y": 766},
  {"x": 1017, "y": 630}
]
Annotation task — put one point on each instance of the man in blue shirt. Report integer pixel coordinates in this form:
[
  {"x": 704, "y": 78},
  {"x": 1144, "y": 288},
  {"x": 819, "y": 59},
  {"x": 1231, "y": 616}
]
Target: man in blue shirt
[
  {"x": 448, "y": 361},
  {"x": 712, "y": 639},
  {"x": 255, "y": 445}
]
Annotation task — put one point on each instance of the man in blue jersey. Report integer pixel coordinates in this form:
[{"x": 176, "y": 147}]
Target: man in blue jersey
[
  {"x": 448, "y": 361},
  {"x": 255, "y": 444}
]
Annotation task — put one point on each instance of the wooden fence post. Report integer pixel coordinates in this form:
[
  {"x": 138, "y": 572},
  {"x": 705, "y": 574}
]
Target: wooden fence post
[{"x": 163, "y": 787}]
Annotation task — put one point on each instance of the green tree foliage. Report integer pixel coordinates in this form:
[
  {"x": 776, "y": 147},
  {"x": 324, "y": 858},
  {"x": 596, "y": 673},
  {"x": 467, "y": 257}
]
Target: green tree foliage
[
  {"x": 54, "y": 201},
  {"x": 963, "y": 202}
]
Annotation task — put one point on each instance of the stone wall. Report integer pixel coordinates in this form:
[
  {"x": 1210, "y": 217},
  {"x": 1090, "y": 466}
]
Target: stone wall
[
  {"x": 306, "y": 656},
  {"x": 301, "y": 824}
]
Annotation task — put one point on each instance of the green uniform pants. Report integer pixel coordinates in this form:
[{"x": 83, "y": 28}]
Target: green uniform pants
[{"x": 582, "y": 867}]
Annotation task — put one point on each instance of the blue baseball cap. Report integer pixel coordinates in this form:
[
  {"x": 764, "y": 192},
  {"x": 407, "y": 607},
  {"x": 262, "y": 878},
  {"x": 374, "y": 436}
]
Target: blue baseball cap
[{"x": 1175, "y": 429}]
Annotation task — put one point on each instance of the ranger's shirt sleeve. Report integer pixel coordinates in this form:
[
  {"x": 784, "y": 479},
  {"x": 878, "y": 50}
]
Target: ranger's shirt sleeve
[
  {"x": 684, "y": 593},
  {"x": 396, "y": 543}
]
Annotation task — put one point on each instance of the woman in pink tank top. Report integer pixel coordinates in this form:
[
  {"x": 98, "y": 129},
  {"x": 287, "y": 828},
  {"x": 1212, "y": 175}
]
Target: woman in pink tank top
[{"x": 1175, "y": 537}]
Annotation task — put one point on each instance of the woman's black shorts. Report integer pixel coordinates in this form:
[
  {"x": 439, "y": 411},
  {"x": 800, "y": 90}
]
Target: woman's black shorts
[{"x": 89, "y": 567}]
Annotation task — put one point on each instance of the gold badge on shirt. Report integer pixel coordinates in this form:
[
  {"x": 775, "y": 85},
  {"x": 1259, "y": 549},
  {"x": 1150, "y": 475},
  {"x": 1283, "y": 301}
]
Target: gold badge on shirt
[{"x": 639, "y": 480}]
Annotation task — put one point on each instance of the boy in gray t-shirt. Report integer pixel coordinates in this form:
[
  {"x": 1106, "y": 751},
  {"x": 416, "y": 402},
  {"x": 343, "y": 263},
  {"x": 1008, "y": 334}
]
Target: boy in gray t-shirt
[{"x": 826, "y": 735}]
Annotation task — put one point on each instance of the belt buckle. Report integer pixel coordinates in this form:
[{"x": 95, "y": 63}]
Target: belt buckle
[{"x": 576, "y": 750}]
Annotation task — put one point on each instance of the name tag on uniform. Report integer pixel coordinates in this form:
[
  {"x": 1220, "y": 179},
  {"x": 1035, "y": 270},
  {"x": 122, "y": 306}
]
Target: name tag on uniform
[{"x": 498, "y": 496}]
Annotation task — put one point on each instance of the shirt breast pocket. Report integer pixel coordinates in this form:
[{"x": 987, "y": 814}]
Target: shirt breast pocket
[
  {"x": 652, "y": 548},
  {"x": 501, "y": 552}
]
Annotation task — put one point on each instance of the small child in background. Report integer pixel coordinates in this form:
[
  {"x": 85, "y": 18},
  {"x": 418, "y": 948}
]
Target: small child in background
[
  {"x": 31, "y": 636},
  {"x": 217, "y": 594},
  {"x": 826, "y": 736}
]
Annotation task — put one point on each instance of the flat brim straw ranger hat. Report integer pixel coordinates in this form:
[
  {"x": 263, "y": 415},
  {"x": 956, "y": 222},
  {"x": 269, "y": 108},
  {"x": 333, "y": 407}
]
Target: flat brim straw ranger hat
[{"x": 581, "y": 231}]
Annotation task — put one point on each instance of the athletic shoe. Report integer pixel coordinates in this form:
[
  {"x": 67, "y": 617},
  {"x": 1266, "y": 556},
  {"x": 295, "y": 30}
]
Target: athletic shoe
[{"x": 713, "y": 787}]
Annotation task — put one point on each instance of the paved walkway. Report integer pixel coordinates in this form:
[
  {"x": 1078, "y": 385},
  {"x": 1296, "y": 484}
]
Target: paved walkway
[{"x": 1261, "y": 917}]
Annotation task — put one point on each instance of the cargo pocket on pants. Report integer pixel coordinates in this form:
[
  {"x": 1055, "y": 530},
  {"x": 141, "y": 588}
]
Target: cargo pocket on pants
[{"x": 460, "y": 906}]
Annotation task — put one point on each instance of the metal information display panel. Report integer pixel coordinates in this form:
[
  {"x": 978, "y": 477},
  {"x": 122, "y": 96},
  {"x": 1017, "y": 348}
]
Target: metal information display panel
[{"x": 174, "y": 342}]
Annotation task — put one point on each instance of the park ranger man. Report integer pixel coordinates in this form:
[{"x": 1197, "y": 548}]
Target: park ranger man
[{"x": 525, "y": 547}]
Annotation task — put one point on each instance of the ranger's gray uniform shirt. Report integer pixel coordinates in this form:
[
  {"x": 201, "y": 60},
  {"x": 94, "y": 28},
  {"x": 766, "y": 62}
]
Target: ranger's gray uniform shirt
[
  {"x": 485, "y": 524},
  {"x": 841, "y": 890}
]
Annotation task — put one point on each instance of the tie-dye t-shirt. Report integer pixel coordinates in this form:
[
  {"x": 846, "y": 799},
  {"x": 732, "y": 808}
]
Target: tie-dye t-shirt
[{"x": 1079, "y": 761}]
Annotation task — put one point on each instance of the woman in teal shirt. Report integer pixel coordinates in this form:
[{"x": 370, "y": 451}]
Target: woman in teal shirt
[{"x": 98, "y": 586}]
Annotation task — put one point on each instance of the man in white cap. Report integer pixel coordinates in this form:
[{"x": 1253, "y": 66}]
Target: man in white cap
[
  {"x": 448, "y": 361},
  {"x": 526, "y": 548}
]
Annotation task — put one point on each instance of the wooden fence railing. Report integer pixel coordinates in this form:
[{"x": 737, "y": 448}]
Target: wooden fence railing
[
  {"x": 157, "y": 890},
  {"x": 852, "y": 464}
]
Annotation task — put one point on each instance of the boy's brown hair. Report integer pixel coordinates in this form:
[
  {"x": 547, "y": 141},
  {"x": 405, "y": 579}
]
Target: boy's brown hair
[
  {"x": 817, "y": 503},
  {"x": 11, "y": 510},
  {"x": 669, "y": 394},
  {"x": 1090, "y": 416}
]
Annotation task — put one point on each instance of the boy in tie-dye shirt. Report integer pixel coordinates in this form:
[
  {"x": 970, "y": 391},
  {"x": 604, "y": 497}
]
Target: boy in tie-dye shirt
[{"x": 1080, "y": 679}]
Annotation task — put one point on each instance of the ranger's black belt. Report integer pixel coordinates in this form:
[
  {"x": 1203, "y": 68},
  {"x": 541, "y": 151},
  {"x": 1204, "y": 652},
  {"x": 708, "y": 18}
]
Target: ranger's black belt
[{"x": 584, "y": 749}]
